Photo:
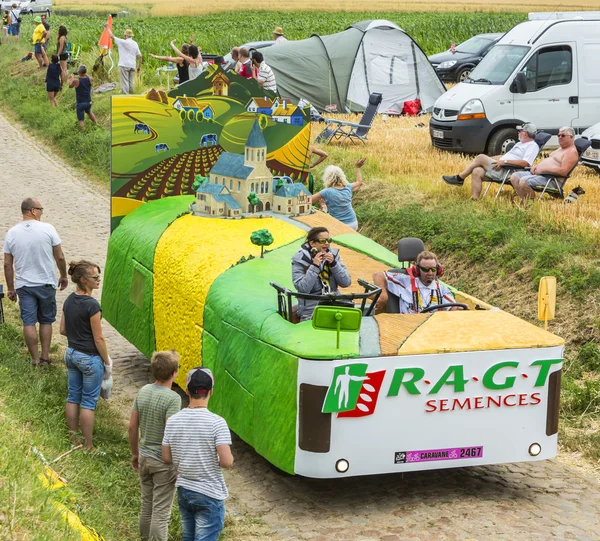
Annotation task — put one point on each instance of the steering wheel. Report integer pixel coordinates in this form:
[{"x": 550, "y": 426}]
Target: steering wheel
[{"x": 442, "y": 306}]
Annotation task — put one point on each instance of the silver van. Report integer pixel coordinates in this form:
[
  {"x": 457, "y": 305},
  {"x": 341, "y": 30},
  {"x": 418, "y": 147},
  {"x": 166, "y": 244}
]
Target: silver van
[{"x": 29, "y": 7}]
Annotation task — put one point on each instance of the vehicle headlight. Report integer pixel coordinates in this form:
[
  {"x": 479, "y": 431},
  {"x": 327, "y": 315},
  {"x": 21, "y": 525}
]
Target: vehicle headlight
[
  {"x": 472, "y": 109},
  {"x": 447, "y": 64}
]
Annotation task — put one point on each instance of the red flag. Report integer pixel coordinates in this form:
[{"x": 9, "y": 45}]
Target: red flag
[{"x": 105, "y": 40}]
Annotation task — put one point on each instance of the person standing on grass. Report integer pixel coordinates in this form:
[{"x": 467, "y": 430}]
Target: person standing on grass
[
  {"x": 153, "y": 405},
  {"x": 62, "y": 52},
  {"x": 338, "y": 192},
  {"x": 53, "y": 77},
  {"x": 5, "y": 25},
  {"x": 39, "y": 37},
  {"x": 197, "y": 442},
  {"x": 130, "y": 59},
  {"x": 193, "y": 59},
  {"x": 181, "y": 64},
  {"x": 14, "y": 21},
  {"x": 86, "y": 356},
  {"x": 47, "y": 28},
  {"x": 83, "y": 95},
  {"x": 34, "y": 249}
]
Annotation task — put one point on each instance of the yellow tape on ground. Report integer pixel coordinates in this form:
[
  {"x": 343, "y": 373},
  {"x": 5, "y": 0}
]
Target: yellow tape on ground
[{"x": 190, "y": 255}]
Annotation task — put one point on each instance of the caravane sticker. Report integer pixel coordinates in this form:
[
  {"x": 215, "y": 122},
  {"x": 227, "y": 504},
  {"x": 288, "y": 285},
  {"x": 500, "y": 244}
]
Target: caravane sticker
[
  {"x": 432, "y": 455},
  {"x": 353, "y": 391}
]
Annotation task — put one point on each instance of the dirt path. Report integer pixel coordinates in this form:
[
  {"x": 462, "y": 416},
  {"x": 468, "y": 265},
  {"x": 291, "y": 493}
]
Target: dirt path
[{"x": 545, "y": 500}]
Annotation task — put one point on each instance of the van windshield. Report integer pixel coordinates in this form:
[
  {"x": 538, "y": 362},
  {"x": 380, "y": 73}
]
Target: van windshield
[{"x": 498, "y": 65}]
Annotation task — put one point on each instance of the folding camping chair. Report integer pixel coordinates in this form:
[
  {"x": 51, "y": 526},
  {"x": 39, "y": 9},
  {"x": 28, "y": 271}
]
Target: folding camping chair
[
  {"x": 541, "y": 139},
  {"x": 557, "y": 191},
  {"x": 342, "y": 130},
  {"x": 74, "y": 52}
]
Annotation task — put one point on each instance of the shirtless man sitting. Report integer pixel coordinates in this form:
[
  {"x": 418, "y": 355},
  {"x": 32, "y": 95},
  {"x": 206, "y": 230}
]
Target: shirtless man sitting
[{"x": 560, "y": 162}]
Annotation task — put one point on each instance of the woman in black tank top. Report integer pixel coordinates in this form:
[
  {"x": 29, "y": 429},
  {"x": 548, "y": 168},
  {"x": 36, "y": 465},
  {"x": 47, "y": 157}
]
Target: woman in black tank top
[{"x": 182, "y": 65}]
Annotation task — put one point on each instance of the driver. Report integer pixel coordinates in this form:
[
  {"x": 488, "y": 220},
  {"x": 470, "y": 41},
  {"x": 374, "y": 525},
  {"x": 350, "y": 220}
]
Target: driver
[
  {"x": 317, "y": 269},
  {"x": 417, "y": 290}
]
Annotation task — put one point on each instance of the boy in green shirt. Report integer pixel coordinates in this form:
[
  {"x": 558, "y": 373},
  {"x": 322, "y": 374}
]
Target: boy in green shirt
[{"x": 153, "y": 405}]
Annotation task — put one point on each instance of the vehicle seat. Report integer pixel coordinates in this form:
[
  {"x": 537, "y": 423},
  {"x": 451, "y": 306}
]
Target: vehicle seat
[{"x": 408, "y": 250}]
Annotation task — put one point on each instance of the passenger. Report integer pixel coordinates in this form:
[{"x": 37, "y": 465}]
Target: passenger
[
  {"x": 337, "y": 193},
  {"x": 417, "y": 290},
  {"x": 560, "y": 162},
  {"x": 181, "y": 63},
  {"x": 193, "y": 58},
  {"x": 521, "y": 155},
  {"x": 317, "y": 269}
]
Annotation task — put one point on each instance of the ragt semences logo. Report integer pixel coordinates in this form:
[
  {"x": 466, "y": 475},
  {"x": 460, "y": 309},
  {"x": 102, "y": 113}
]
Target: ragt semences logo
[{"x": 353, "y": 391}]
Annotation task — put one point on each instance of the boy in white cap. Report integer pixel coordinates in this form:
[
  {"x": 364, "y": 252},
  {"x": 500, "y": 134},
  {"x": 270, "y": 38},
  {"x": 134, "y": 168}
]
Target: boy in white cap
[{"x": 197, "y": 442}]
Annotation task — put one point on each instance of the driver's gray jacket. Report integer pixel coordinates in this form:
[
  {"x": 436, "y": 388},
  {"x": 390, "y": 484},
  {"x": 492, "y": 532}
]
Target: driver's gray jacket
[{"x": 306, "y": 279}]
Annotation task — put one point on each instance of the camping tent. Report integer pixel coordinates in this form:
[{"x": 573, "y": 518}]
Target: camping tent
[{"x": 344, "y": 68}]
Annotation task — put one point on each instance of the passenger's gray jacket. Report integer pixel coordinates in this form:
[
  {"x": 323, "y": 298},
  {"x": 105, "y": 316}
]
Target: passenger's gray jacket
[{"x": 306, "y": 278}]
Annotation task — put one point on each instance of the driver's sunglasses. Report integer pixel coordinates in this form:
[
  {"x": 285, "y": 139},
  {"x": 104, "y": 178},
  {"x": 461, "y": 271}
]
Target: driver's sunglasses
[
  {"x": 427, "y": 269},
  {"x": 324, "y": 241},
  {"x": 96, "y": 277},
  {"x": 41, "y": 209}
]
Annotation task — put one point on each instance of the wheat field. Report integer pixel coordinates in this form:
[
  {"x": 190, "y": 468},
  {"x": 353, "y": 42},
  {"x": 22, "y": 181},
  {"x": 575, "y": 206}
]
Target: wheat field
[
  {"x": 168, "y": 7},
  {"x": 403, "y": 167}
]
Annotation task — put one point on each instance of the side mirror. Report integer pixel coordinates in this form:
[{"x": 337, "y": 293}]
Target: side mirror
[
  {"x": 519, "y": 85},
  {"x": 547, "y": 299}
]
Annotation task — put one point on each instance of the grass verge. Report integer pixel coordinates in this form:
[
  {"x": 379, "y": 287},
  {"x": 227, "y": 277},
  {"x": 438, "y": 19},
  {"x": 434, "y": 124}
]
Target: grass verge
[{"x": 104, "y": 486}]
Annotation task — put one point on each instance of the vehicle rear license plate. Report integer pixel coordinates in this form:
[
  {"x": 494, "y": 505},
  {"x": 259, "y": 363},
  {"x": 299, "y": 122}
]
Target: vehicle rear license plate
[
  {"x": 438, "y": 134},
  {"x": 591, "y": 154}
]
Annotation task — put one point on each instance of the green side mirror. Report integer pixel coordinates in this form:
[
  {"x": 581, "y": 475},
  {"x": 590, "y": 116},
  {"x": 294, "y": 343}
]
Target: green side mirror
[{"x": 337, "y": 318}]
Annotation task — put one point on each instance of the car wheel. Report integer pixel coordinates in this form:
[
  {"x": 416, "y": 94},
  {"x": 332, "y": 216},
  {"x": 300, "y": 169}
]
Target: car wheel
[
  {"x": 463, "y": 74},
  {"x": 502, "y": 141}
]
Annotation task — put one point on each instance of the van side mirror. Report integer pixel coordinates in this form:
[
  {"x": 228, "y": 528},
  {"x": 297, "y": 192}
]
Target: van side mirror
[{"x": 519, "y": 85}]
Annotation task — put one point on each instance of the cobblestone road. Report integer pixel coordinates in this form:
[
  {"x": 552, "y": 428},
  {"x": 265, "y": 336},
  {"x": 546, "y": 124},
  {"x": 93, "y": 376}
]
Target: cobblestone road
[{"x": 545, "y": 500}]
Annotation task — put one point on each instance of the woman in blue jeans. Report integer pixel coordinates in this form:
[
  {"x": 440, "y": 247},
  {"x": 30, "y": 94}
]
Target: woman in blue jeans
[{"x": 86, "y": 356}]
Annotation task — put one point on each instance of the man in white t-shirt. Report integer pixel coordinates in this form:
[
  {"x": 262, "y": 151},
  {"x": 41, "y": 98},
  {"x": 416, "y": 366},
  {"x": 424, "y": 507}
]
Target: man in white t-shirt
[
  {"x": 278, "y": 36},
  {"x": 417, "y": 290},
  {"x": 521, "y": 155},
  {"x": 130, "y": 59},
  {"x": 31, "y": 252},
  {"x": 197, "y": 442}
]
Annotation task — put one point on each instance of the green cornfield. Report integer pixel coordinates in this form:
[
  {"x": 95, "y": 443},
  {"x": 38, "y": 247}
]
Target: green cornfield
[{"x": 217, "y": 33}]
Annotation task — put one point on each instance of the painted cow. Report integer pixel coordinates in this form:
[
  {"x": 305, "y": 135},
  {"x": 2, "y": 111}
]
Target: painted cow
[
  {"x": 209, "y": 140},
  {"x": 144, "y": 128},
  {"x": 161, "y": 146}
]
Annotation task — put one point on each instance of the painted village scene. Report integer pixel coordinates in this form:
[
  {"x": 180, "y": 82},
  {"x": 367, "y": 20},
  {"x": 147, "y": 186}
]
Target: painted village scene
[{"x": 241, "y": 150}]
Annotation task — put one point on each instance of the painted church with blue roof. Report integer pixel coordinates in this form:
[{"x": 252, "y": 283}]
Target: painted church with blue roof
[{"x": 235, "y": 177}]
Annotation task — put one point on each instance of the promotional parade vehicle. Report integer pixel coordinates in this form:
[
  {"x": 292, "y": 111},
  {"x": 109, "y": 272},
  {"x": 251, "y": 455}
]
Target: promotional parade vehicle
[
  {"x": 209, "y": 274},
  {"x": 401, "y": 393}
]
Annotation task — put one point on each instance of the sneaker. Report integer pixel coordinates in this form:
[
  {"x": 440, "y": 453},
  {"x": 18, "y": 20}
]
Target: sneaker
[{"x": 455, "y": 180}]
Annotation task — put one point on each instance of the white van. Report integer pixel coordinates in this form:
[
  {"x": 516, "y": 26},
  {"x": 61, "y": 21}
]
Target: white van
[
  {"x": 542, "y": 71},
  {"x": 29, "y": 7}
]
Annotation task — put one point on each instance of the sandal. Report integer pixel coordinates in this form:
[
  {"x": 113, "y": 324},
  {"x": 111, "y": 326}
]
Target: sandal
[
  {"x": 35, "y": 364},
  {"x": 45, "y": 362}
]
